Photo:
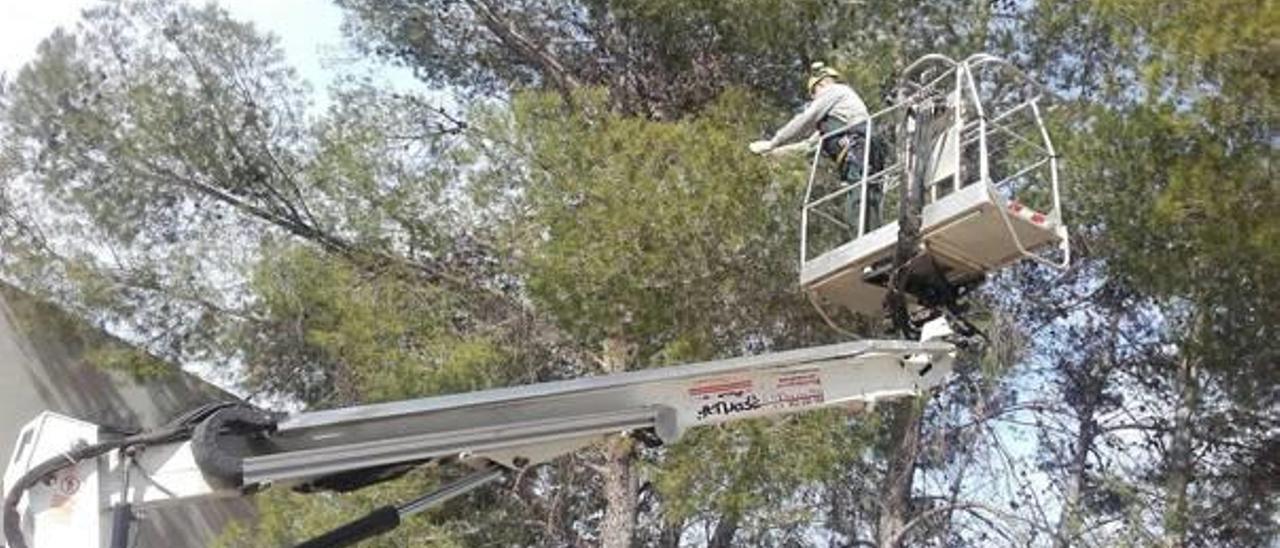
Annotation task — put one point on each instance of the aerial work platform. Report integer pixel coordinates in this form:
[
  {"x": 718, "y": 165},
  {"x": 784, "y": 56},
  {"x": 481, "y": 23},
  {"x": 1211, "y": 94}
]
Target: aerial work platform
[
  {"x": 989, "y": 178},
  {"x": 69, "y": 483},
  {"x": 965, "y": 233}
]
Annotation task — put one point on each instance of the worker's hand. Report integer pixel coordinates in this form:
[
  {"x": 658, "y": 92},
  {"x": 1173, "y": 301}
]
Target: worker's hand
[{"x": 760, "y": 147}]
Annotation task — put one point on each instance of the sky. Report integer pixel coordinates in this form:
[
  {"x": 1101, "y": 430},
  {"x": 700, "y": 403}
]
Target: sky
[{"x": 309, "y": 31}]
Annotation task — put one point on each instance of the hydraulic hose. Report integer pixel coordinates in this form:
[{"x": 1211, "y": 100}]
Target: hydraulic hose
[
  {"x": 910, "y": 206},
  {"x": 178, "y": 429}
]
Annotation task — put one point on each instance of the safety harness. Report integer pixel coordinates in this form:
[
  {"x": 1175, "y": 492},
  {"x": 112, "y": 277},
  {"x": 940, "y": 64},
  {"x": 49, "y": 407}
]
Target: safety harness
[{"x": 837, "y": 145}]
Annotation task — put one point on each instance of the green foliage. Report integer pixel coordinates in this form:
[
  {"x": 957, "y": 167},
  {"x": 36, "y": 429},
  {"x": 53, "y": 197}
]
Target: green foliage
[
  {"x": 122, "y": 138},
  {"x": 154, "y": 152},
  {"x": 670, "y": 236},
  {"x": 338, "y": 334},
  {"x": 1169, "y": 156},
  {"x": 660, "y": 58},
  {"x": 1191, "y": 45},
  {"x": 383, "y": 165},
  {"x": 1185, "y": 178},
  {"x": 648, "y": 230},
  {"x": 105, "y": 114},
  {"x": 760, "y": 464}
]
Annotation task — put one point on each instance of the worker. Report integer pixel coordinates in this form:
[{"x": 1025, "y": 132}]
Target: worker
[{"x": 833, "y": 106}]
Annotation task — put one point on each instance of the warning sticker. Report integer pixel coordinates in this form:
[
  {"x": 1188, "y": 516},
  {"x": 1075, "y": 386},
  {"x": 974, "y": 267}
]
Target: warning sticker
[
  {"x": 65, "y": 484},
  {"x": 760, "y": 394},
  {"x": 799, "y": 389}
]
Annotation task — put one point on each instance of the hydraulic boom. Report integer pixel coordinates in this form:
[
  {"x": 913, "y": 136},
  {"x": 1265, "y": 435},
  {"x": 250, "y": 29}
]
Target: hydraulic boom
[{"x": 70, "y": 484}]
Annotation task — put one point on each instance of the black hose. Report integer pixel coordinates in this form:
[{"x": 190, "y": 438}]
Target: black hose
[
  {"x": 910, "y": 207},
  {"x": 218, "y": 462},
  {"x": 13, "y": 520},
  {"x": 374, "y": 523},
  {"x": 177, "y": 429}
]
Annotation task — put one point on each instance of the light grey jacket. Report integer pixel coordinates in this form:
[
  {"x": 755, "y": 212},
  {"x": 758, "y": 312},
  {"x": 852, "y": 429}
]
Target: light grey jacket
[{"x": 835, "y": 99}]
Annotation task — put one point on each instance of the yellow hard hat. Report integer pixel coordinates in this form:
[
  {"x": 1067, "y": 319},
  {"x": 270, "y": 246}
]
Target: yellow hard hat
[{"x": 819, "y": 71}]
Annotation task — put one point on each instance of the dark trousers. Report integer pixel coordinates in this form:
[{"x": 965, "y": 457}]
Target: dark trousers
[{"x": 850, "y": 172}]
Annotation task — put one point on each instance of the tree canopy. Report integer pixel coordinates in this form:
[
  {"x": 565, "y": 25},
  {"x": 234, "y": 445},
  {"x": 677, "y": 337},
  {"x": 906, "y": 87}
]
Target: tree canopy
[{"x": 586, "y": 204}]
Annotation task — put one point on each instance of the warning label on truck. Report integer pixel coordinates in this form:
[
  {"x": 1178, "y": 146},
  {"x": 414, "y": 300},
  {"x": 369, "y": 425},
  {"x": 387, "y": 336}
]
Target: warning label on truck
[{"x": 757, "y": 394}]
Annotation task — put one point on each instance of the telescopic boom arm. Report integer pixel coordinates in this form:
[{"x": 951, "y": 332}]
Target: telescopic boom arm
[{"x": 69, "y": 484}]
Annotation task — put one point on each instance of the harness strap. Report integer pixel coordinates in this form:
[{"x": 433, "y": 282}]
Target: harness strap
[{"x": 835, "y": 146}]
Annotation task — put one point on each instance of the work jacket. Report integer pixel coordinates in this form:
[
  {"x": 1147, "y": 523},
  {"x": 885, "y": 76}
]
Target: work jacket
[{"x": 836, "y": 106}]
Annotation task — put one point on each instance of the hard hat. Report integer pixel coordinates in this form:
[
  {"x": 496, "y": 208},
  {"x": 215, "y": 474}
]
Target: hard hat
[{"x": 817, "y": 72}]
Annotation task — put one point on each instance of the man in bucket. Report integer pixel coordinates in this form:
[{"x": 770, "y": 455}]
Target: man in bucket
[{"x": 834, "y": 106}]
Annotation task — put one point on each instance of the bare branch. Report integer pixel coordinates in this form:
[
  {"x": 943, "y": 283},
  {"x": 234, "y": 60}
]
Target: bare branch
[{"x": 532, "y": 53}]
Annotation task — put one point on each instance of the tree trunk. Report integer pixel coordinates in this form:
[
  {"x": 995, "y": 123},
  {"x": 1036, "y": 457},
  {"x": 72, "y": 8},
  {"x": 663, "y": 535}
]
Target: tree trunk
[
  {"x": 1089, "y": 383},
  {"x": 522, "y": 46},
  {"x": 902, "y": 468},
  {"x": 722, "y": 537},
  {"x": 621, "y": 488},
  {"x": 1180, "y": 466},
  {"x": 670, "y": 536},
  {"x": 843, "y": 506},
  {"x": 1069, "y": 518}
]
